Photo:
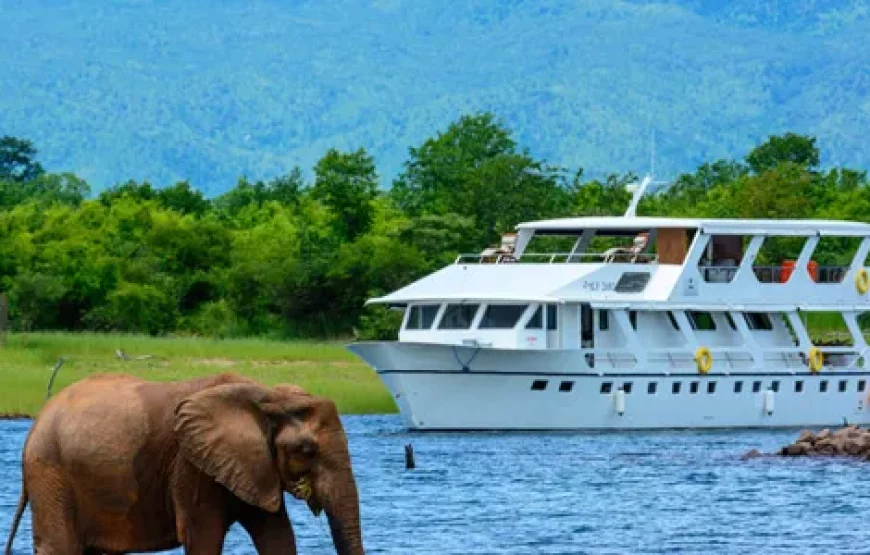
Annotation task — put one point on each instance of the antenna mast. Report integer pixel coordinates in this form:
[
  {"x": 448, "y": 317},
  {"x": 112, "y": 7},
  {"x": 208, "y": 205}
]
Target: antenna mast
[{"x": 640, "y": 189}]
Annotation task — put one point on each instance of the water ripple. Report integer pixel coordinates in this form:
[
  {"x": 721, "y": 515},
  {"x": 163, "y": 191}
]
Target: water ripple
[{"x": 523, "y": 493}]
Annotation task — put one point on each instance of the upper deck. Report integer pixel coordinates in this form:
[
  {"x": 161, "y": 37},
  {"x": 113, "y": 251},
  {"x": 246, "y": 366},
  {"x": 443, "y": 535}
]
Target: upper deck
[{"x": 651, "y": 260}]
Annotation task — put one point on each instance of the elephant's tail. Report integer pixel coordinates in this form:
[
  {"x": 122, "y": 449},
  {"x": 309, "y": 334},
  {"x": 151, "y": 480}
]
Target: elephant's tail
[{"x": 16, "y": 520}]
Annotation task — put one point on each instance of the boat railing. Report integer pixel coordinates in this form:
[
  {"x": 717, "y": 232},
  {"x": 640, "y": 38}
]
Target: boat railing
[
  {"x": 734, "y": 358},
  {"x": 556, "y": 258},
  {"x": 770, "y": 274}
]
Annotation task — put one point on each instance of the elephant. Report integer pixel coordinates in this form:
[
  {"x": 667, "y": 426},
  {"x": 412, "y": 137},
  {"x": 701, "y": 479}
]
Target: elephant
[{"x": 116, "y": 464}]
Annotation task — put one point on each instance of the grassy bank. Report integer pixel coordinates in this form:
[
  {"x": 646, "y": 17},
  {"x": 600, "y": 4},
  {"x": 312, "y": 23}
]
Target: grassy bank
[{"x": 323, "y": 368}]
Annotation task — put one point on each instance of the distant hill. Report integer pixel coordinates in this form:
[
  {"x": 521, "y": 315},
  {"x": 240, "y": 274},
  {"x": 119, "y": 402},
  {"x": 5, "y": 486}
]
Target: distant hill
[{"x": 211, "y": 90}]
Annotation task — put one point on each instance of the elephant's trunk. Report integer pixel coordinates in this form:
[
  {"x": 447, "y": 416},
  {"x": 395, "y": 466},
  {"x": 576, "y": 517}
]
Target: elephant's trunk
[{"x": 341, "y": 504}]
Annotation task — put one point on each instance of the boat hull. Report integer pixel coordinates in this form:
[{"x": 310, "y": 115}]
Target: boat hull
[{"x": 443, "y": 387}]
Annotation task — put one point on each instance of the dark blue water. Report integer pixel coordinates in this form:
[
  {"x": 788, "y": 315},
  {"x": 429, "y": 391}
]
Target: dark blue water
[{"x": 660, "y": 492}]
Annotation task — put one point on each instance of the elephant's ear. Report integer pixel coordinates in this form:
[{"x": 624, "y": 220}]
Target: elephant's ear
[{"x": 222, "y": 431}]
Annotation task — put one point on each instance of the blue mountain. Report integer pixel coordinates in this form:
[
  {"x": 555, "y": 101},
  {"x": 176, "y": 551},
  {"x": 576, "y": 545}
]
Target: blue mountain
[{"x": 212, "y": 90}]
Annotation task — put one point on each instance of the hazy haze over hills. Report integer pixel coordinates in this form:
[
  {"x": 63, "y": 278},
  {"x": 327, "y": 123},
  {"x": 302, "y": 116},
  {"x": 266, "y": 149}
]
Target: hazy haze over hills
[{"x": 211, "y": 90}]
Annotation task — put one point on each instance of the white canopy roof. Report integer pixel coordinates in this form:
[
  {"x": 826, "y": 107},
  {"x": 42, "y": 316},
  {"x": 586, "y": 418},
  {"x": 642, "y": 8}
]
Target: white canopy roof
[
  {"x": 524, "y": 283},
  {"x": 708, "y": 225}
]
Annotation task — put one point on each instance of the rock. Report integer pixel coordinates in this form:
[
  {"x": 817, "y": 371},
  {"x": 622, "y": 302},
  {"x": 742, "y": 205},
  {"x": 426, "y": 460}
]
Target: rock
[
  {"x": 752, "y": 454},
  {"x": 848, "y": 431},
  {"x": 795, "y": 450},
  {"x": 853, "y": 447},
  {"x": 806, "y": 436},
  {"x": 848, "y": 441}
]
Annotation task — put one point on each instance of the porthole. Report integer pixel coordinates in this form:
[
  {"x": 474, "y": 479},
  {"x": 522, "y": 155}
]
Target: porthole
[
  {"x": 756, "y": 386},
  {"x": 844, "y": 385},
  {"x": 738, "y": 387},
  {"x": 565, "y": 387},
  {"x": 862, "y": 385},
  {"x": 651, "y": 388},
  {"x": 539, "y": 385},
  {"x": 693, "y": 387},
  {"x": 711, "y": 387},
  {"x": 675, "y": 389},
  {"x": 799, "y": 386},
  {"x": 626, "y": 386},
  {"x": 823, "y": 386},
  {"x": 606, "y": 387}
]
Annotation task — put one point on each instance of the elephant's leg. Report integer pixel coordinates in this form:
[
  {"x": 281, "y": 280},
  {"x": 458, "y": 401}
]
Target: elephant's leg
[
  {"x": 204, "y": 536},
  {"x": 52, "y": 506},
  {"x": 271, "y": 533}
]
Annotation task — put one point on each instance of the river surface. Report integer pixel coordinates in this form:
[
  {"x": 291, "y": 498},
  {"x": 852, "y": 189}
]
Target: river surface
[{"x": 494, "y": 493}]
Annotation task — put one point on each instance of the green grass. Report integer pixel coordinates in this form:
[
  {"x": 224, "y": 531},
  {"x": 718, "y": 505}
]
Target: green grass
[{"x": 323, "y": 368}]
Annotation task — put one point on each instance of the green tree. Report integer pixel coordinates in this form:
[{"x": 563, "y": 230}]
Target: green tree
[
  {"x": 800, "y": 150},
  {"x": 183, "y": 198},
  {"x": 130, "y": 189},
  {"x": 347, "y": 183},
  {"x": 18, "y": 160},
  {"x": 46, "y": 188},
  {"x": 285, "y": 189},
  {"x": 474, "y": 170},
  {"x": 601, "y": 198}
]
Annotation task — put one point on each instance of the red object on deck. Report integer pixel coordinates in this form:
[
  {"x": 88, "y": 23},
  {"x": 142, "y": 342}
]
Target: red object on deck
[{"x": 788, "y": 269}]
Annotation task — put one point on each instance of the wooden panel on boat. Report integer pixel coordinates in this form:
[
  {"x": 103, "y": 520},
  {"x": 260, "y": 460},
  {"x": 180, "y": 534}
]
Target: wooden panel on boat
[
  {"x": 727, "y": 247},
  {"x": 672, "y": 244}
]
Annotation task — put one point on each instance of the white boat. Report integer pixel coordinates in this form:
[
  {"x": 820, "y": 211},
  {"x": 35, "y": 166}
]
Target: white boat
[{"x": 681, "y": 327}]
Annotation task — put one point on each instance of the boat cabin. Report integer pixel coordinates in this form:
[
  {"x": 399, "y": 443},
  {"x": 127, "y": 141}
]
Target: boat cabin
[{"x": 626, "y": 289}]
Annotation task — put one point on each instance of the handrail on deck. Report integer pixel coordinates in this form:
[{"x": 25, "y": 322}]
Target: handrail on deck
[
  {"x": 554, "y": 257},
  {"x": 769, "y": 274}
]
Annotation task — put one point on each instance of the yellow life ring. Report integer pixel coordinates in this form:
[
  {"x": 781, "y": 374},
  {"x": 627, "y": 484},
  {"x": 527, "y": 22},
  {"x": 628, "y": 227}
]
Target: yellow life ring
[
  {"x": 862, "y": 281},
  {"x": 703, "y": 359},
  {"x": 817, "y": 359}
]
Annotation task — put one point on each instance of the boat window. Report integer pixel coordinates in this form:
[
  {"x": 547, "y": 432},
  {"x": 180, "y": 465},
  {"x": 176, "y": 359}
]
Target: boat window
[
  {"x": 673, "y": 320},
  {"x": 758, "y": 321},
  {"x": 774, "y": 386},
  {"x": 799, "y": 386},
  {"x": 566, "y": 386},
  {"x": 501, "y": 316},
  {"x": 711, "y": 387},
  {"x": 626, "y": 386},
  {"x": 861, "y": 385},
  {"x": 603, "y": 320},
  {"x": 551, "y": 317},
  {"x": 756, "y": 387},
  {"x": 458, "y": 317},
  {"x": 420, "y": 317},
  {"x": 539, "y": 385},
  {"x": 675, "y": 388},
  {"x": 632, "y": 317},
  {"x": 606, "y": 387},
  {"x": 702, "y": 321},
  {"x": 632, "y": 282},
  {"x": 536, "y": 321},
  {"x": 693, "y": 387},
  {"x": 823, "y": 386},
  {"x": 651, "y": 388},
  {"x": 738, "y": 387},
  {"x": 844, "y": 385}
]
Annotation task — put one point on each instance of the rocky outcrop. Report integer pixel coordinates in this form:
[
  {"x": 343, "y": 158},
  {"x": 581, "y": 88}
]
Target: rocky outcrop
[{"x": 850, "y": 441}]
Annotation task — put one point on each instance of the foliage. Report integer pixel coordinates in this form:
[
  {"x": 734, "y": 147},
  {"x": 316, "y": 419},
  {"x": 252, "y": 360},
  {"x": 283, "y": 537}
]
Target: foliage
[
  {"x": 286, "y": 259},
  {"x": 18, "y": 160},
  {"x": 168, "y": 91},
  {"x": 475, "y": 170}
]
